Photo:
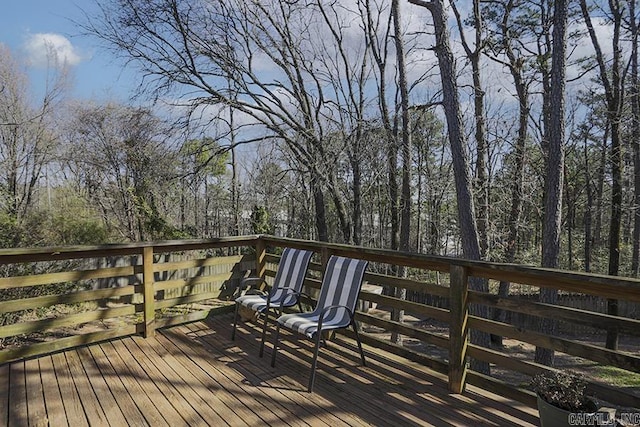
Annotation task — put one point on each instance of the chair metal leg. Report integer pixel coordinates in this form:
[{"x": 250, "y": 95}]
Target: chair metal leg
[
  {"x": 264, "y": 332},
  {"x": 275, "y": 345},
  {"x": 355, "y": 329},
  {"x": 312, "y": 378},
  {"x": 235, "y": 322}
]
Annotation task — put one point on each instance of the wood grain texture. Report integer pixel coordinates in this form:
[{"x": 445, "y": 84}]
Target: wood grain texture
[
  {"x": 458, "y": 332},
  {"x": 194, "y": 375},
  {"x": 149, "y": 293}
]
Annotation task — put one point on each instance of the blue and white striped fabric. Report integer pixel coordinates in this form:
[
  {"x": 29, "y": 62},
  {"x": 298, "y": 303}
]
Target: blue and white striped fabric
[
  {"x": 340, "y": 286},
  {"x": 289, "y": 278}
]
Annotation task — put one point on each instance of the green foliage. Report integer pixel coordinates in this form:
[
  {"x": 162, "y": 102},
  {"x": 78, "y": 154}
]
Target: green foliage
[
  {"x": 70, "y": 230},
  {"x": 159, "y": 229},
  {"x": 260, "y": 220},
  {"x": 206, "y": 156},
  {"x": 155, "y": 227},
  {"x": 564, "y": 390},
  {"x": 10, "y": 231},
  {"x": 619, "y": 377},
  {"x": 72, "y": 221}
]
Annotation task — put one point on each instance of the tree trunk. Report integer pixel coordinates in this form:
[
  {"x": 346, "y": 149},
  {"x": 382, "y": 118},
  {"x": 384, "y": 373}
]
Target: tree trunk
[
  {"x": 481, "y": 172},
  {"x": 465, "y": 205},
  {"x": 341, "y": 211},
  {"x": 570, "y": 219},
  {"x": 405, "y": 198},
  {"x": 614, "y": 225},
  {"x": 588, "y": 216},
  {"x": 357, "y": 202},
  {"x": 235, "y": 197},
  {"x": 554, "y": 171},
  {"x": 379, "y": 53},
  {"x": 611, "y": 75},
  {"x": 602, "y": 170},
  {"x": 321, "y": 218},
  {"x": 635, "y": 139},
  {"x": 517, "y": 188}
]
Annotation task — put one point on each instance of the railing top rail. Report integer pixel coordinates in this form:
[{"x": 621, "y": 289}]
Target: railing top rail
[
  {"x": 599, "y": 284},
  {"x": 596, "y": 284},
  {"x": 17, "y": 255}
]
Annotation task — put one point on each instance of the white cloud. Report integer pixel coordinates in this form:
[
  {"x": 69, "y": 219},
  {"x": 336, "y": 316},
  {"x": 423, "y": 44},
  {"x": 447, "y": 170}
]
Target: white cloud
[{"x": 50, "y": 49}]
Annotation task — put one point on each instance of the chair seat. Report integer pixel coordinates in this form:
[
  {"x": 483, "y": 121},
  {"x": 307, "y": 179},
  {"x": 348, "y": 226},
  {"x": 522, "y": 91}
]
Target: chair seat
[
  {"x": 335, "y": 307},
  {"x": 254, "y": 302},
  {"x": 285, "y": 291},
  {"x": 259, "y": 302},
  {"x": 307, "y": 323}
]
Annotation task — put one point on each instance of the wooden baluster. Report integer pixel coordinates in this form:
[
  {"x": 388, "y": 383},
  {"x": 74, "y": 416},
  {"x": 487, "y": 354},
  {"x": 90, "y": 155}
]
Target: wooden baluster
[
  {"x": 148, "y": 292},
  {"x": 325, "y": 254},
  {"x": 261, "y": 262},
  {"x": 458, "y": 331}
]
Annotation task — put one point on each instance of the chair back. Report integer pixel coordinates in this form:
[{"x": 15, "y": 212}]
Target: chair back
[
  {"x": 341, "y": 285},
  {"x": 291, "y": 272}
]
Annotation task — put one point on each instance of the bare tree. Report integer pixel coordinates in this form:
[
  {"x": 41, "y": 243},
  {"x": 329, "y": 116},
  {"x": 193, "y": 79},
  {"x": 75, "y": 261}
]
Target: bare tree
[
  {"x": 405, "y": 132},
  {"x": 612, "y": 78},
  {"x": 506, "y": 36},
  {"x": 405, "y": 198},
  {"x": 344, "y": 63},
  {"x": 380, "y": 45},
  {"x": 120, "y": 156},
  {"x": 431, "y": 150},
  {"x": 482, "y": 179},
  {"x": 555, "y": 167},
  {"x": 27, "y": 139},
  {"x": 634, "y": 99},
  {"x": 187, "y": 49},
  {"x": 457, "y": 140}
]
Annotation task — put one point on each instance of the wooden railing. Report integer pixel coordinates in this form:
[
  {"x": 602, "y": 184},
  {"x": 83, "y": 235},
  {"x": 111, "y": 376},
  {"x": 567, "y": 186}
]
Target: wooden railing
[
  {"x": 453, "y": 288},
  {"x": 49, "y": 292},
  {"x": 79, "y": 293}
]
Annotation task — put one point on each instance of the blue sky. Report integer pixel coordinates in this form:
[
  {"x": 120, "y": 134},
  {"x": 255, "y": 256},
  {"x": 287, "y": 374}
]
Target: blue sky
[{"x": 28, "y": 26}]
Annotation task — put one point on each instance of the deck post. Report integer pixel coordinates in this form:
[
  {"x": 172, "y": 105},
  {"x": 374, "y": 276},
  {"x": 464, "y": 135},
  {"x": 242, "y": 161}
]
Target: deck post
[
  {"x": 261, "y": 262},
  {"x": 325, "y": 254},
  {"x": 148, "y": 292},
  {"x": 458, "y": 331}
]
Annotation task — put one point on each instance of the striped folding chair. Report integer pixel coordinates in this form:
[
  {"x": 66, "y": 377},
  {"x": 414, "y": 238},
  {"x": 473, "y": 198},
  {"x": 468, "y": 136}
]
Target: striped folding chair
[
  {"x": 285, "y": 291},
  {"x": 335, "y": 309}
]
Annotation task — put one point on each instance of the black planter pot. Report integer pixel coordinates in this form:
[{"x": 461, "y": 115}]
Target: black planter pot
[{"x": 552, "y": 416}]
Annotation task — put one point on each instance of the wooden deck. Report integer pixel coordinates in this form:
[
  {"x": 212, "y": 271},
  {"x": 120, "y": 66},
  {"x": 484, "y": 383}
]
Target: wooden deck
[{"x": 195, "y": 375}]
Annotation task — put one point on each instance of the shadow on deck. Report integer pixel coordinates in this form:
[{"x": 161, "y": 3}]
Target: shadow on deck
[{"x": 195, "y": 375}]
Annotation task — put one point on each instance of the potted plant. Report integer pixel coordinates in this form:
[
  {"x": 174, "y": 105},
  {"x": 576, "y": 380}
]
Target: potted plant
[{"x": 562, "y": 400}]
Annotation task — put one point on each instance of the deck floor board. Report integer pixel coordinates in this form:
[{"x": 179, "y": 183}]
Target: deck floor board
[
  {"x": 103, "y": 394},
  {"x": 194, "y": 375},
  {"x": 229, "y": 394},
  {"x": 70, "y": 398},
  {"x": 35, "y": 394},
  {"x": 86, "y": 391},
  {"x": 52, "y": 397},
  {"x": 4, "y": 394},
  {"x": 293, "y": 366},
  {"x": 247, "y": 371},
  {"x": 364, "y": 387},
  {"x": 183, "y": 406},
  {"x": 208, "y": 406},
  {"x": 127, "y": 405},
  {"x": 18, "y": 415},
  {"x": 132, "y": 385}
]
